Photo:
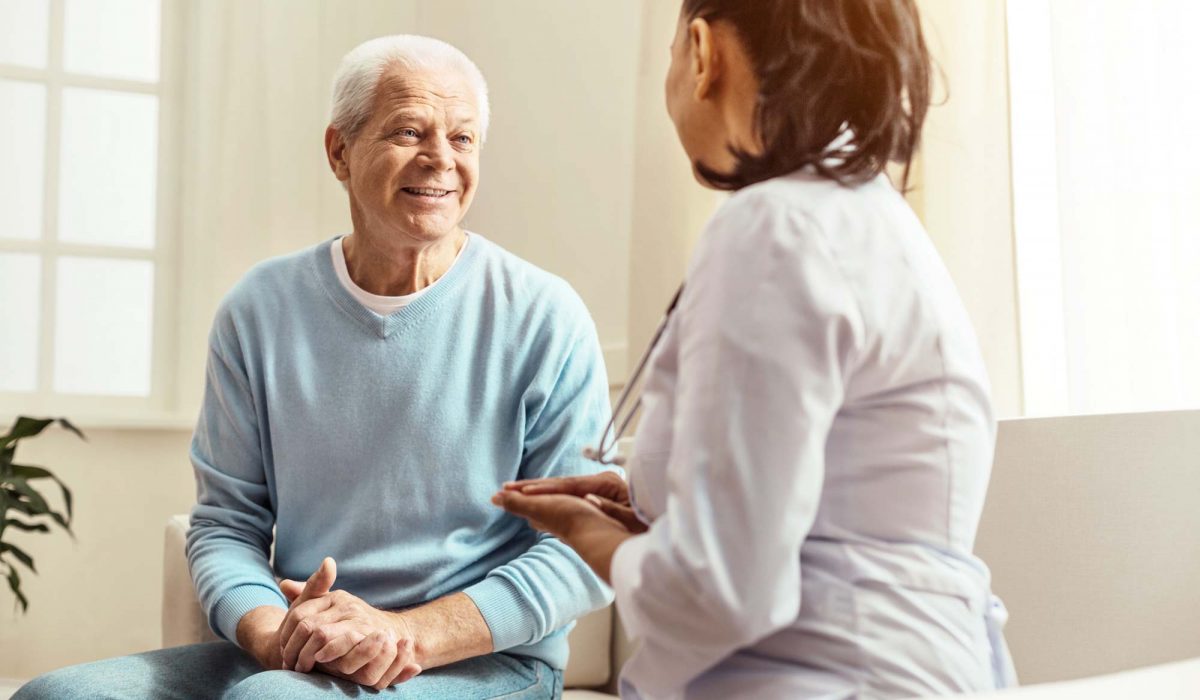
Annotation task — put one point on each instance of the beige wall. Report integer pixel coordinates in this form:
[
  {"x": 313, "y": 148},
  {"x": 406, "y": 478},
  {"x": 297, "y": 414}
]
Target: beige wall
[
  {"x": 99, "y": 595},
  {"x": 669, "y": 207}
]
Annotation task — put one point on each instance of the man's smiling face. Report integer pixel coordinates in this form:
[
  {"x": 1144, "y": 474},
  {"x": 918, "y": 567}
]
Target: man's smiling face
[{"x": 413, "y": 167}]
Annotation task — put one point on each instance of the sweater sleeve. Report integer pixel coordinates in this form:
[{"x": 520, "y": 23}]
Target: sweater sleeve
[
  {"x": 229, "y": 542},
  {"x": 548, "y": 586}
]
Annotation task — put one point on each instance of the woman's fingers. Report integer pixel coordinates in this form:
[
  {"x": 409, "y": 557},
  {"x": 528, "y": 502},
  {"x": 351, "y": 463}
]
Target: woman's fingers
[
  {"x": 608, "y": 485},
  {"x": 621, "y": 513},
  {"x": 558, "y": 514}
]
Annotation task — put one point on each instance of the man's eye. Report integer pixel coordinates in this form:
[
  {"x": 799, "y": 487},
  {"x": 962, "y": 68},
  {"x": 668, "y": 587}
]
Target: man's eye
[
  {"x": 465, "y": 139},
  {"x": 407, "y": 133}
]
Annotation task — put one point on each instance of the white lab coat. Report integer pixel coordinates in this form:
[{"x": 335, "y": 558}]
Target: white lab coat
[{"x": 813, "y": 458}]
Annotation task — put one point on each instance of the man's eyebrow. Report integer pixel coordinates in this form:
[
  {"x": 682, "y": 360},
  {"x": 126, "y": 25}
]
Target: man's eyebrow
[
  {"x": 465, "y": 119},
  {"x": 404, "y": 114}
]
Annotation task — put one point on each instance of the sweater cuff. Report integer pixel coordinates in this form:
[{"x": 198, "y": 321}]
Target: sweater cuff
[
  {"x": 626, "y": 574},
  {"x": 228, "y": 611},
  {"x": 504, "y": 611}
]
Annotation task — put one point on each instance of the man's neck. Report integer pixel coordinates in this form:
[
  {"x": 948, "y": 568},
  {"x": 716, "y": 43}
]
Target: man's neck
[{"x": 392, "y": 269}]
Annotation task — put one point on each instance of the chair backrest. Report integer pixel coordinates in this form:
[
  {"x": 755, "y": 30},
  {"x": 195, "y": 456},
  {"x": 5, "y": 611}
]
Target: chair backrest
[{"x": 1092, "y": 532}]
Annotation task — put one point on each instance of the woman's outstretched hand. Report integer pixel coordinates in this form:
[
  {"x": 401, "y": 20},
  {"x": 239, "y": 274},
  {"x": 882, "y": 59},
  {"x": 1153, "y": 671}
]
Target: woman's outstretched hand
[
  {"x": 607, "y": 485},
  {"x": 584, "y": 524}
]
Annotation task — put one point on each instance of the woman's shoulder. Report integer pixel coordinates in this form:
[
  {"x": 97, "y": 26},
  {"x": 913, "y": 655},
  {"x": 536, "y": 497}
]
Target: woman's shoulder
[{"x": 816, "y": 197}]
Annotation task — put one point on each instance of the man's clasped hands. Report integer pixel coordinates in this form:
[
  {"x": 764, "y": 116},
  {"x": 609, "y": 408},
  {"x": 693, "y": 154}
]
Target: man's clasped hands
[{"x": 332, "y": 632}]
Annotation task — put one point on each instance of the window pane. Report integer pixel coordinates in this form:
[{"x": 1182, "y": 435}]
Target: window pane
[
  {"x": 21, "y": 290},
  {"x": 108, "y": 168},
  {"x": 23, "y": 31},
  {"x": 112, "y": 38},
  {"x": 23, "y": 145},
  {"x": 103, "y": 320}
]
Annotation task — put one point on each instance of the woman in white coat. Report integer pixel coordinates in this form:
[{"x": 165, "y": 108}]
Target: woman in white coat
[{"x": 817, "y": 436}]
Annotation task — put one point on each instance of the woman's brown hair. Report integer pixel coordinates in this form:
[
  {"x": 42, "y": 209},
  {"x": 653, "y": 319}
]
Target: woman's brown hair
[{"x": 844, "y": 85}]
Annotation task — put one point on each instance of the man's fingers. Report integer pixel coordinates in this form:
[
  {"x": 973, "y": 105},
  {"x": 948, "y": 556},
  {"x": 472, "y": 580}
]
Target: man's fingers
[
  {"x": 373, "y": 670},
  {"x": 362, "y": 653},
  {"x": 402, "y": 663},
  {"x": 319, "y": 639},
  {"x": 320, "y": 582},
  {"x": 291, "y": 589},
  {"x": 291, "y": 622},
  {"x": 409, "y": 672},
  {"x": 338, "y": 646},
  {"x": 290, "y": 646},
  {"x": 326, "y": 632}
]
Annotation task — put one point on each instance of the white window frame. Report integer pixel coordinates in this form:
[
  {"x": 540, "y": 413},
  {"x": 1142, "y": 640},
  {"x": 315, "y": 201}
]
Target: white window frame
[{"x": 160, "y": 407}]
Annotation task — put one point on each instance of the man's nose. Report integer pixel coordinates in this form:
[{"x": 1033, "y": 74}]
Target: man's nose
[{"x": 437, "y": 155}]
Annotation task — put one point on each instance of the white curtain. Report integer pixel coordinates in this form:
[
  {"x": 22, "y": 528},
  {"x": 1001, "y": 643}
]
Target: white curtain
[{"x": 1107, "y": 203}]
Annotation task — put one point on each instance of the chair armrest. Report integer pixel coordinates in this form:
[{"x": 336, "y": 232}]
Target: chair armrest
[{"x": 183, "y": 622}]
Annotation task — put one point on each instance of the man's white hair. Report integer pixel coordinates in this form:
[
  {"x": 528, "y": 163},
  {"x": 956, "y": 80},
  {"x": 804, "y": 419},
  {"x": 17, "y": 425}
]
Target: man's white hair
[{"x": 359, "y": 73}]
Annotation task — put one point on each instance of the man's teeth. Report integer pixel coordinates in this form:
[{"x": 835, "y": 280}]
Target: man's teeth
[{"x": 426, "y": 192}]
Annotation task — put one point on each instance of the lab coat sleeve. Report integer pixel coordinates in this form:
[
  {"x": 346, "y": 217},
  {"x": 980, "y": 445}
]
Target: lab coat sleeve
[{"x": 767, "y": 330}]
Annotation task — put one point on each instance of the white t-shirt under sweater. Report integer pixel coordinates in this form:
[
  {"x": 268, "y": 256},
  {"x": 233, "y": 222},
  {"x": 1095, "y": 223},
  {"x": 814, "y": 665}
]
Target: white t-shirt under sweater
[{"x": 384, "y": 306}]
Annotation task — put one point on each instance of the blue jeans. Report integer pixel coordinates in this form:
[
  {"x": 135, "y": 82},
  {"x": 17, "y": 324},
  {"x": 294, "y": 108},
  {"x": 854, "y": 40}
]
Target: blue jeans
[{"x": 223, "y": 670}]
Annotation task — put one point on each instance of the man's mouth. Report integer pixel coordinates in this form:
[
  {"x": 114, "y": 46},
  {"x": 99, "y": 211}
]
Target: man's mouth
[{"x": 431, "y": 192}]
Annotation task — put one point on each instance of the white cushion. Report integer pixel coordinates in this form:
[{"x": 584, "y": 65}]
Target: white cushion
[{"x": 1177, "y": 681}]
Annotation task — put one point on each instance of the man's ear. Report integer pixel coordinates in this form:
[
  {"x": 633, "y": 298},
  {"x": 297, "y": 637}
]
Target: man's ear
[
  {"x": 335, "y": 151},
  {"x": 705, "y": 63}
]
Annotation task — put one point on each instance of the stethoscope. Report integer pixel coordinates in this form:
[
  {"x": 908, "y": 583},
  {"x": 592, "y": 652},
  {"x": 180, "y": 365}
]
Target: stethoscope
[{"x": 623, "y": 412}]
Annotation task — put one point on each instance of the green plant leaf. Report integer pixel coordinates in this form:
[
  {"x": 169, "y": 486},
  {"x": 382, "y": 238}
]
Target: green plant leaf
[
  {"x": 27, "y": 527},
  {"x": 28, "y": 427},
  {"x": 18, "y": 501},
  {"x": 19, "y": 554},
  {"x": 17, "y": 484},
  {"x": 30, "y": 472},
  {"x": 14, "y": 583},
  {"x": 70, "y": 426},
  {"x": 25, "y": 427}
]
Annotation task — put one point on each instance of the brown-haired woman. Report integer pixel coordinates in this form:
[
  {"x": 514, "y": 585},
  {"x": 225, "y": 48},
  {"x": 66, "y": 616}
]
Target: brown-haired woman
[{"x": 810, "y": 469}]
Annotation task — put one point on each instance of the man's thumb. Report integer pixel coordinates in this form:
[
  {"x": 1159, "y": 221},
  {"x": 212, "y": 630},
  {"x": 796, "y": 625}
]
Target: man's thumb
[
  {"x": 291, "y": 589},
  {"x": 320, "y": 582}
]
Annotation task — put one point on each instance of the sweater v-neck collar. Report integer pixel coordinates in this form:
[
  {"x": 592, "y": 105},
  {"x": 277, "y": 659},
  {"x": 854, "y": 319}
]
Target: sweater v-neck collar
[{"x": 385, "y": 326}]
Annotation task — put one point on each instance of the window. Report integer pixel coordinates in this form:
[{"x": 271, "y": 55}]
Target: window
[
  {"x": 1107, "y": 220},
  {"x": 87, "y": 206}
]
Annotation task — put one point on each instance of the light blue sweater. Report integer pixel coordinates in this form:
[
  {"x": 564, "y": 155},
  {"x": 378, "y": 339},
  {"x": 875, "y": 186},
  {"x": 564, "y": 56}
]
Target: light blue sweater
[{"x": 380, "y": 440}]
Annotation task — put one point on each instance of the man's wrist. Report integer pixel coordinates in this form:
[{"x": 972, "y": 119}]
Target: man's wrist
[
  {"x": 257, "y": 633},
  {"x": 405, "y": 628}
]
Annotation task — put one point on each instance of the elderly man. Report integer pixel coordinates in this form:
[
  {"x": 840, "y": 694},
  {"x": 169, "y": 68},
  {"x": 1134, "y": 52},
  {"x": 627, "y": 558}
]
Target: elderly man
[{"x": 366, "y": 397}]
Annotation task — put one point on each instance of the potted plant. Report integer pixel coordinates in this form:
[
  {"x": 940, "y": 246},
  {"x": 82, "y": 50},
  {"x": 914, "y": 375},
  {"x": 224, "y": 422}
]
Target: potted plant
[{"x": 18, "y": 497}]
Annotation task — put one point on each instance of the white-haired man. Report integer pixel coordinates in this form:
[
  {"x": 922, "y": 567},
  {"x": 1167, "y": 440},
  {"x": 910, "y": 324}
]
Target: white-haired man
[{"x": 366, "y": 397}]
